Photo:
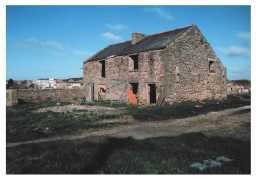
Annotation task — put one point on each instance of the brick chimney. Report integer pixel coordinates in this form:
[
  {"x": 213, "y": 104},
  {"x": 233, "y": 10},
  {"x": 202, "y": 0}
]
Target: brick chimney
[{"x": 136, "y": 37}]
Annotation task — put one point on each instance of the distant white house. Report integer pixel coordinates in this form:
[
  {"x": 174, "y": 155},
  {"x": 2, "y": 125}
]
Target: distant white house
[
  {"x": 61, "y": 84},
  {"x": 49, "y": 83}
]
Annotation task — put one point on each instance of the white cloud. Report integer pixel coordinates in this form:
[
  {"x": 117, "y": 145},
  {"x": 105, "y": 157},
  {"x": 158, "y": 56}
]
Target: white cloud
[
  {"x": 83, "y": 53},
  {"x": 160, "y": 12},
  {"x": 111, "y": 36},
  {"x": 244, "y": 35},
  {"x": 34, "y": 42},
  {"x": 116, "y": 27},
  {"x": 236, "y": 51},
  {"x": 52, "y": 44}
]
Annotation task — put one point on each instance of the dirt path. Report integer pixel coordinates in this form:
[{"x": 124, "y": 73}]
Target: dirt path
[
  {"x": 208, "y": 123},
  {"x": 71, "y": 108}
]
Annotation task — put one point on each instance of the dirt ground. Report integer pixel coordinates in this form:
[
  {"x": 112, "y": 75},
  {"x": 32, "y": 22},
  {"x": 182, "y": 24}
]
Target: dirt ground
[
  {"x": 72, "y": 108},
  {"x": 215, "y": 142},
  {"x": 231, "y": 122}
]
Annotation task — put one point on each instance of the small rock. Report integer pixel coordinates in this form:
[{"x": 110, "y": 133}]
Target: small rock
[
  {"x": 212, "y": 163},
  {"x": 198, "y": 106},
  {"x": 223, "y": 159},
  {"x": 198, "y": 166}
]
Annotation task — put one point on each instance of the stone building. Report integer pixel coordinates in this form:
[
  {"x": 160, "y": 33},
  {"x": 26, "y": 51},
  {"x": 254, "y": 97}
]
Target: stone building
[{"x": 170, "y": 66}]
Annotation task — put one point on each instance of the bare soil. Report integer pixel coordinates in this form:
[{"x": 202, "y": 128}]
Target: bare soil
[
  {"x": 222, "y": 123},
  {"x": 72, "y": 108}
]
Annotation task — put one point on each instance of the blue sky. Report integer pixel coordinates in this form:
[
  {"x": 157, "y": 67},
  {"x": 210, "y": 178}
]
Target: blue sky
[{"x": 53, "y": 41}]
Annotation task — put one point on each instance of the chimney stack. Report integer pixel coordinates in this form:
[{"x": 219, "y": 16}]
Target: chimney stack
[{"x": 136, "y": 37}]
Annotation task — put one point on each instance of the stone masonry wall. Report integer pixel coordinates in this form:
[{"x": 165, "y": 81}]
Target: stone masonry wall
[
  {"x": 119, "y": 73},
  {"x": 180, "y": 72},
  {"x": 187, "y": 69},
  {"x": 60, "y": 95},
  {"x": 11, "y": 97}
]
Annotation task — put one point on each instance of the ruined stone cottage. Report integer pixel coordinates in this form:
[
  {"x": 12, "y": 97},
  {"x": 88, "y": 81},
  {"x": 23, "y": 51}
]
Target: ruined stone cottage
[{"x": 170, "y": 66}]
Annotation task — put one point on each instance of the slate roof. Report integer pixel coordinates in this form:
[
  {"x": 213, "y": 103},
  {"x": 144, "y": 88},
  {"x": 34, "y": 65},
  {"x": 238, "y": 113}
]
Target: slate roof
[{"x": 151, "y": 42}]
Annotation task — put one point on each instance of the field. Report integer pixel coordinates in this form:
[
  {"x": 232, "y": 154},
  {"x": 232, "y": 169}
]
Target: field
[{"x": 105, "y": 138}]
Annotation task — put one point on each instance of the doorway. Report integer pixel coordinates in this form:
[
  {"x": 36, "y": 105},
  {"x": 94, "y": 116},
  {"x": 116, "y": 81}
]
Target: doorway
[
  {"x": 132, "y": 93},
  {"x": 92, "y": 92},
  {"x": 152, "y": 93}
]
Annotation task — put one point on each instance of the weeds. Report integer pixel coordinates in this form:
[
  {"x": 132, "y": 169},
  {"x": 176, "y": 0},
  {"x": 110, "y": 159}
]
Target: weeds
[
  {"x": 162, "y": 155},
  {"x": 24, "y": 124},
  {"x": 184, "y": 109},
  {"x": 108, "y": 103}
]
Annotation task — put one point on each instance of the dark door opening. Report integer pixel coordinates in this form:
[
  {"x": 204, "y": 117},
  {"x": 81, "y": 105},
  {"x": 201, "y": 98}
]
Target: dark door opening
[
  {"x": 132, "y": 93},
  {"x": 92, "y": 92},
  {"x": 152, "y": 93},
  {"x": 134, "y": 88}
]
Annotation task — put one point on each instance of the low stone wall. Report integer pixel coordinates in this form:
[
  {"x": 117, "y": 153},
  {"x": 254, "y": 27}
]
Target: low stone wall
[
  {"x": 11, "y": 97},
  {"x": 59, "y": 95}
]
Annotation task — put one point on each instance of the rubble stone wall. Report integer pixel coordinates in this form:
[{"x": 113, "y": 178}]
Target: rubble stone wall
[
  {"x": 11, "y": 97},
  {"x": 188, "y": 62},
  {"x": 59, "y": 95},
  {"x": 120, "y": 73}
]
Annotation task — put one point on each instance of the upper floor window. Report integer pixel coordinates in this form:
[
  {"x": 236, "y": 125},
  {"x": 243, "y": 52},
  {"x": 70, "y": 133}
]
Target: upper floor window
[
  {"x": 211, "y": 67},
  {"x": 103, "y": 68},
  {"x": 135, "y": 59}
]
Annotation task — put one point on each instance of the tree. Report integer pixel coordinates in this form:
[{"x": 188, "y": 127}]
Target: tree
[{"x": 10, "y": 84}]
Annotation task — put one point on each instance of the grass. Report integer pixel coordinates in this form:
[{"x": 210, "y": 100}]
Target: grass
[
  {"x": 108, "y": 103},
  {"x": 184, "y": 109},
  {"x": 24, "y": 124},
  {"x": 162, "y": 155},
  {"x": 105, "y": 155}
]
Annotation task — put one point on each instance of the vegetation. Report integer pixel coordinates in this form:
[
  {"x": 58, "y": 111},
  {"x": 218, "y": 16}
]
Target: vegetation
[
  {"x": 162, "y": 155},
  {"x": 185, "y": 109},
  {"x": 97, "y": 155},
  {"x": 24, "y": 124},
  {"x": 107, "y": 103}
]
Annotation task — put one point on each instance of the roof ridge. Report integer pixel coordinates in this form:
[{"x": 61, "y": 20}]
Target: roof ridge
[
  {"x": 153, "y": 34},
  {"x": 184, "y": 27}
]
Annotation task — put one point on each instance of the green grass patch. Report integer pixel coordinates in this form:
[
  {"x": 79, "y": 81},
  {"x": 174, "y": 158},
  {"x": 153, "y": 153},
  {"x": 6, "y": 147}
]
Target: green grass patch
[
  {"x": 163, "y": 155},
  {"x": 184, "y": 109},
  {"x": 23, "y": 124},
  {"x": 107, "y": 103}
]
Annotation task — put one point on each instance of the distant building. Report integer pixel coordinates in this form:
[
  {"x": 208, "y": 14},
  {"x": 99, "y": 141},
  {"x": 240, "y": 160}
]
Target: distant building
[
  {"x": 69, "y": 84},
  {"x": 45, "y": 83},
  {"x": 235, "y": 87}
]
